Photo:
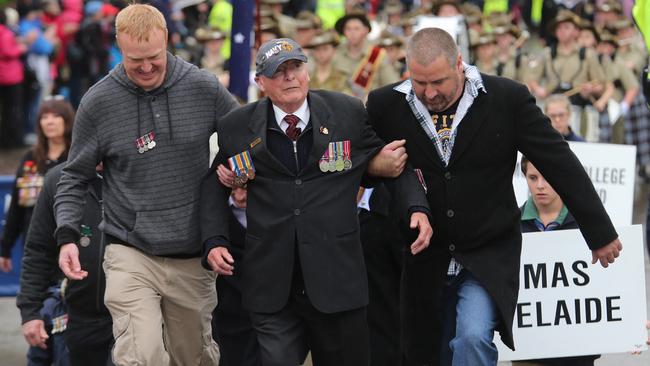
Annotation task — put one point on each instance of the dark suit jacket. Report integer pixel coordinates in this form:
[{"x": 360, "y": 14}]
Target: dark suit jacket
[
  {"x": 475, "y": 214},
  {"x": 312, "y": 210}
]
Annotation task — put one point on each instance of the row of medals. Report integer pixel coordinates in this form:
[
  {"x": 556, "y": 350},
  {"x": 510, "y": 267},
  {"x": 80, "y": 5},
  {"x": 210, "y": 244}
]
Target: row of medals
[
  {"x": 145, "y": 143},
  {"x": 335, "y": 165},
  {"x": 241, "y": 179}
]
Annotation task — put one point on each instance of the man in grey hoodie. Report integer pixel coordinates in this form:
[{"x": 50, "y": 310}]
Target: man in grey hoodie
[{"x": 149, "y": 122}]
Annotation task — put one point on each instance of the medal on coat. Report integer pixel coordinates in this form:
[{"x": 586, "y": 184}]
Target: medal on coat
[
  {"x": 339, "y": 156},
  {"x": 86, "y": 234},
  {"x": 59, "y": 324},
  {"x": 332, "y": 157},
  {"x": 242, "y": 165},
  {"x": 323, "y": 164},
  {"x": 347, "y": 161}
]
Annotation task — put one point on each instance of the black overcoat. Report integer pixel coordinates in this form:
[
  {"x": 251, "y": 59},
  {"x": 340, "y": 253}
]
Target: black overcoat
[{"x": 472, "y": 201}]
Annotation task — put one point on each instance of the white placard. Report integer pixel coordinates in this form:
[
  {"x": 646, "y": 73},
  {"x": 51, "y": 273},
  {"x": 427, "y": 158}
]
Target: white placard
[
  {"x": 612, "y": 169},
  {"x": 570, "y": 307}
]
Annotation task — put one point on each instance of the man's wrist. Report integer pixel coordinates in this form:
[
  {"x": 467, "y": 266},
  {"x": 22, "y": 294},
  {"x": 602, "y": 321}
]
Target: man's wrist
[
  {"x": 420, "y": 209},
  {"x": 66, "y": 236}
]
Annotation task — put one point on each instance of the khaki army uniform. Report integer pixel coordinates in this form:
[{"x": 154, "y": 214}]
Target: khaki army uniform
[
  {"x": 635, "y": 56},
  {"x": 337, "y": 81},
  {"x": 343, "y": 62},
  {"x": 489, "y": 68},
  {"x": 213, "y": 64},
  {"x": 287, "y": 25},
  {"x": 514, "y": 66},
  {"x": 565, "y": 72},
  {"x": 622, "y": 77}
]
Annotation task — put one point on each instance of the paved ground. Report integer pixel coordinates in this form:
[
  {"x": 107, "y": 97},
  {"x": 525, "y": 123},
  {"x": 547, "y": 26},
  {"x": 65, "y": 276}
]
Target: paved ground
[{"x": 13, "y": 346}]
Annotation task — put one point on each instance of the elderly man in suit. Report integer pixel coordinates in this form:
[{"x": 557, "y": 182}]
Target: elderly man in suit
[
  {"x": 463, "y": 130},
  {"x": 303, "y": 154}
]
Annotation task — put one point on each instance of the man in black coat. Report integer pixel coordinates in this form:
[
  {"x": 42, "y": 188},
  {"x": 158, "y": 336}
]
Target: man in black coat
[
  {"x": 463, "y": 130},
  {"x": 303, "y": 275},
  {"x": 88, "y": 333}
]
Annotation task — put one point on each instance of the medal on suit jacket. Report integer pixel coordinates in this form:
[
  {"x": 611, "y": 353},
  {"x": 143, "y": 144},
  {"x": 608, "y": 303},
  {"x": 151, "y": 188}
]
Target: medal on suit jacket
[
  {"x": 347, "y": 160},
  {"x": 339, "y": 156},
  {"x": 324, "y": 162},
  {"x": 331, "y": 167},
  {"x": 242, "y": 165}
]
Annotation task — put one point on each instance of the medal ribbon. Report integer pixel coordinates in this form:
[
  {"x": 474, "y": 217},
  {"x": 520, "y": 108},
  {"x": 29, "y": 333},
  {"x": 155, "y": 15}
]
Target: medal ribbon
[
  {"x": 346, "y": 149},
  {"x": 330, "y": 152},
  {"x": 233, "y": 165},
  {"x": 246, "y": 155},
  {"x": 241, "y": 169}
]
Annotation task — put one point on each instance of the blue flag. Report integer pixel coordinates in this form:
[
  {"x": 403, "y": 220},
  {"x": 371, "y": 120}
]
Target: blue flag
[{"x": 241, "y": 41}]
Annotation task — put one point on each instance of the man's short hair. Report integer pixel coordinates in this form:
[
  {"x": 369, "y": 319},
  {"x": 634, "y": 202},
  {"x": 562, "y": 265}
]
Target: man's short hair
[
  {"x": 427, "y": 44},
  {"x": 139, "y": 20},
  {"x": 558, "y": 98}
]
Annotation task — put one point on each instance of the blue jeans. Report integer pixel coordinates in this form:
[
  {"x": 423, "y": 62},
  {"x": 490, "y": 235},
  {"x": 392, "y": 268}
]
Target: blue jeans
[{"x": 470, "y": 318}]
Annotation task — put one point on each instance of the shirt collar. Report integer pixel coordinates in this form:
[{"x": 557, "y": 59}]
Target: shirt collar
[
  {"x": 303, "y": 113},
  {"x": 530, "y": 212},
  {"x": 473, "y": 82}
]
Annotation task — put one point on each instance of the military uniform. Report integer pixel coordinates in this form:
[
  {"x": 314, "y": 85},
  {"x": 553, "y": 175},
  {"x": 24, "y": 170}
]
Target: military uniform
[
  {"x": 563, "y": 72},
  {"x": 337, "y": 81},
  {"x": 511, "y": 63},
  {"x": 348, "y": 65},
  {"x": 633, "y": 56}
]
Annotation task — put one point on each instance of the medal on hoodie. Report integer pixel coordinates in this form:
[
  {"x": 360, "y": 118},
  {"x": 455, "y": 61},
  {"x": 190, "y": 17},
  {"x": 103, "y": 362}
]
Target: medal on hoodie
[
  {"x": 151, "y": 142},
  {"x": 145, "y": 142},
  {"x": 140, "y": 145}
]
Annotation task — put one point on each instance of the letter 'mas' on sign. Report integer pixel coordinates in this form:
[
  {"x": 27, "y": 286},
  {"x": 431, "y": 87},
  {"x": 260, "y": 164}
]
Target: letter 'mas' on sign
[{"x": 575, "y": 308}]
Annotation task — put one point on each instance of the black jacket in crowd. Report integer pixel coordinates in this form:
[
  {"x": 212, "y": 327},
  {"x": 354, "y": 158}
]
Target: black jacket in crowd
[{"x": 85, "y": 298}]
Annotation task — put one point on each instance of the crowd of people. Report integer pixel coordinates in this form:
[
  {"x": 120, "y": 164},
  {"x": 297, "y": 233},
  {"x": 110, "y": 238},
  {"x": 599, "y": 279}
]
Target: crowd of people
[{"x": 333, "y": 229}]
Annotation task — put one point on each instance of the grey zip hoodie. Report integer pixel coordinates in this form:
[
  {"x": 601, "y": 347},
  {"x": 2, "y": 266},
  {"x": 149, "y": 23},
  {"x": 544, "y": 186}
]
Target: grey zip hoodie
[{"x": 151, "y": 199}]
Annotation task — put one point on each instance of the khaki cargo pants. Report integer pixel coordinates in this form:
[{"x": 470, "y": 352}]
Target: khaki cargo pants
[{"x": 161, "y": 309}]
